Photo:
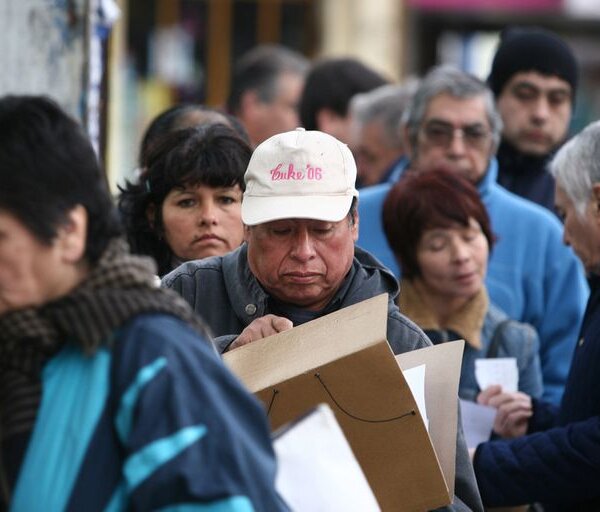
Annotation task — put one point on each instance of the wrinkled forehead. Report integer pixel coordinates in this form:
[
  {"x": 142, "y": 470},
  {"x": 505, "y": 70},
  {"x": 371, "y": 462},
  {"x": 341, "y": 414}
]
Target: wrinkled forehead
[{"x": 457, "y": 111}]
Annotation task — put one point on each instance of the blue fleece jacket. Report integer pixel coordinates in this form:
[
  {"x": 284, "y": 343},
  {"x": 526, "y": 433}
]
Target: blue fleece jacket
[{"x": 531, "y": 275}]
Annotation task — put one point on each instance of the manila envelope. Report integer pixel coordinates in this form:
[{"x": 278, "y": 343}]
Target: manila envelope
[{"x": 343, "y": 359}]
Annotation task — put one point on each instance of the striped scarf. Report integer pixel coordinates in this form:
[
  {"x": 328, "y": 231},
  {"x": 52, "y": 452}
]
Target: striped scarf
[{"x": 117, "y": 288}]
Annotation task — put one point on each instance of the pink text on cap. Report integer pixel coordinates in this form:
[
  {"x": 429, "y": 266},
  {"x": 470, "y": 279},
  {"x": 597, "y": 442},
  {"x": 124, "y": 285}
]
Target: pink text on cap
[{"x": 311, "y": 173}]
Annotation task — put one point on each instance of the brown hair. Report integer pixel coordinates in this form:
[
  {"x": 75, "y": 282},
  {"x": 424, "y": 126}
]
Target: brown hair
[{"x": 421, "y": 201}]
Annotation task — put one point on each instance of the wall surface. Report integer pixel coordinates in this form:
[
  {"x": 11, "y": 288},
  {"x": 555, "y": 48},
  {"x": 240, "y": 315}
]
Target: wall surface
[{"x": 44, "y": 47}]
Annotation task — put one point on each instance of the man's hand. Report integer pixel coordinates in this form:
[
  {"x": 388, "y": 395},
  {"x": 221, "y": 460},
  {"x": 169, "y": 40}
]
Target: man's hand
[
  {"x": 513, "y": 410},
  {"x": 261, "y": 328}
]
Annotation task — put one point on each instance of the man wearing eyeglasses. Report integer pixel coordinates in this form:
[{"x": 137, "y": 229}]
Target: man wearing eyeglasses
[{"x": 452, "y": 124}]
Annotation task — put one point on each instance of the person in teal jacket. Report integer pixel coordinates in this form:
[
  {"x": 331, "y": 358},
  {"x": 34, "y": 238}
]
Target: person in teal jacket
[
  {"x": 531, "y": 276},
  {"x": 112, "y": 397}
]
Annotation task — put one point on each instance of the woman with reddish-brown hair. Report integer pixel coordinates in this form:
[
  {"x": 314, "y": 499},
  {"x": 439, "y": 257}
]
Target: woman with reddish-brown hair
[{"x": 440, "y": 232}]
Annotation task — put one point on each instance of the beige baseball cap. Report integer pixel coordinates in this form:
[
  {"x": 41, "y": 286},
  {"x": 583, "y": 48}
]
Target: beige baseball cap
[{"x": 299, "y": 174}]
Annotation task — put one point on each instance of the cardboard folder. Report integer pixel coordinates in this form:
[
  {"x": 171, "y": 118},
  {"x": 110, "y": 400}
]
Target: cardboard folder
[{"x": 344, "y": 359}]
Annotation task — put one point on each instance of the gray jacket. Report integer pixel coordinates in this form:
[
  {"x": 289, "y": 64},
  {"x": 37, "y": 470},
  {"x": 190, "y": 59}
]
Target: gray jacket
[{"x": 226, "y": 294}]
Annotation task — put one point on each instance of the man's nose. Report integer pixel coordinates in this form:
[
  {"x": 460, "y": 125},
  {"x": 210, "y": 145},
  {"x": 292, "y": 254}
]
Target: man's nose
[
  {"x": 457, "y": 142},
  {"x": 303, "y": 245},
  {"x": 541, "y": 109}
]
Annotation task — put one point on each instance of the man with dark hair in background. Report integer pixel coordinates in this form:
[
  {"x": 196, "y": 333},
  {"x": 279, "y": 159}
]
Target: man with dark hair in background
[
  {"x": 330, "y": 85},
  {"x": 534, "y": 80},
  {"x": 266, "y": 86}
]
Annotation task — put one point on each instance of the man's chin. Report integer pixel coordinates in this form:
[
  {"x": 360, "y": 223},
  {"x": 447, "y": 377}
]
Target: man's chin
[{"x": 535, "y": 149}]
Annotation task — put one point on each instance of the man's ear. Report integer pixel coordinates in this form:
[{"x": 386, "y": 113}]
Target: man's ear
[
  {"x": 246, "y": 233},
  {"x": 355, "y": 225},
  {"x": 596, "y": 199},
  {"x": 249, "y": 104},
  {"x": 72, "y": 235},
  {"x": 328, "y": 121}
]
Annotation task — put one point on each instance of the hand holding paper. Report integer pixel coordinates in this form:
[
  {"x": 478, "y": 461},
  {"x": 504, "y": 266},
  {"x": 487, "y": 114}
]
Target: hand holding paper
[
  {"x": 261, "y": 328},
  {"x": 513, "y": 410}
]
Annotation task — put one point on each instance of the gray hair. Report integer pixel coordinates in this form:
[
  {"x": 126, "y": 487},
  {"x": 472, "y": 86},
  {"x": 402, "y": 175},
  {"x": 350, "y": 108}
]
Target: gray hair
[
  {"x": 449, "y": 80},
  {"x": 576, "y": 166},
  {"x": 384, "y": 105}
]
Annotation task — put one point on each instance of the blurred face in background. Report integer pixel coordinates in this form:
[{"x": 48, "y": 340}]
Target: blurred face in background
[
  {"x": 536, "y": 111},
  {"x": 263, "y": 119},
  {"x": 201, "y": 221},
  {"x": 455, "y": 135},
  {"x": 374, "y": 155},
  {"x": 453, "y": 261}
]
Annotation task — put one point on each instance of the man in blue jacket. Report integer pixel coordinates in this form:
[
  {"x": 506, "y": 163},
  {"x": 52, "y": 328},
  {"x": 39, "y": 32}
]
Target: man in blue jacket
[
  {"x": 558, "y": 463},
  {"x": 111, "y": 395},
  {"x": 452, "y": 124}
]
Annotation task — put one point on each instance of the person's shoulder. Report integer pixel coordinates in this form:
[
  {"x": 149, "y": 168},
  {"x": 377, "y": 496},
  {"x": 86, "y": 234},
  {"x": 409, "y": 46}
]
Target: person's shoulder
[
  {"x": 373, "y": 195},
  {"x": 190, "y": 269},
  {"x": 524, "y": 207},
  {"x": 515, "y": 331},
  {"x": 403, "y": 334},
  {"x": 159, "y": 331}
]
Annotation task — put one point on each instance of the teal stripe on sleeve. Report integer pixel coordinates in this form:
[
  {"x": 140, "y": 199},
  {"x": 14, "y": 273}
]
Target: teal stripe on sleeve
[
  {"x": 143, "y": 463},
  {"x": 232, "y": 504},
  {"x": 118, "y": 501},
  {"x": 75, "y": 387},
  {"x": 124, "y": 416}
]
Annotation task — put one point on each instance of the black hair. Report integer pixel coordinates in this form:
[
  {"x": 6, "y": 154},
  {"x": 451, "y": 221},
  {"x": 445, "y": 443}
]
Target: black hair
[
  {"x": 182, "y": 116},
  {"x": 211, "y": 155},
  {"x": 47, "y": 167},
  {"x": 331, "y": 84},
  {"x": 259, "y": 69}
]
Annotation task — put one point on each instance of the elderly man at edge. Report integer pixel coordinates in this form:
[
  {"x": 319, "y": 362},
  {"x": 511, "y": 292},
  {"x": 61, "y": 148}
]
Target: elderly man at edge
[
  {"x": 558, "y": 463},
  {"x": 452, "y": 124},
  {"x": 299, "y": 261}
]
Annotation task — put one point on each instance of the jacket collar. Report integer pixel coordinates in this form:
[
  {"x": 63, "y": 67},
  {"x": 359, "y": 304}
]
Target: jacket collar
[{"x": 467, "y": 322}]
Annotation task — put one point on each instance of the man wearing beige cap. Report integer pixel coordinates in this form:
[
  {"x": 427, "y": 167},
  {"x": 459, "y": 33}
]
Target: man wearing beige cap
[{"x": 299, "y": 260}]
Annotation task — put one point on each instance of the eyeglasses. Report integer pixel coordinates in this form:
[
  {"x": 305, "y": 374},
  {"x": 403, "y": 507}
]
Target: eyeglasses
[{"x": 442, "y": 134}]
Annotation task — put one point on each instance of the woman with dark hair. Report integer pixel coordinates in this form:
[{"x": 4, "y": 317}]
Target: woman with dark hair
[
  {"x": 111, "y": 395},
  {"x": 185, "y": 115},
  {"x": 440, "y": 232},
  {"x": 187, "y": 202}
]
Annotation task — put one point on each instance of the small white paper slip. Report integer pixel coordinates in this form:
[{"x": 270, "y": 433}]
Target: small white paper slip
[
  {"x": 477, "y": 422},
  {"x": 497, "y": 370},
  {"x": 415, "y": 378},
  {"x": 317, "y": 470}
]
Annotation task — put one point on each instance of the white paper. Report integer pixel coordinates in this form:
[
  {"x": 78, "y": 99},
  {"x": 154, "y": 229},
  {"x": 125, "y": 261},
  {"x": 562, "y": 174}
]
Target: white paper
[
  {"x": 415, "y": 378},
  {"x": 497, "y": 370},
  {"x": 477, "y": 422},
  {"x": 317, "y": 470}
]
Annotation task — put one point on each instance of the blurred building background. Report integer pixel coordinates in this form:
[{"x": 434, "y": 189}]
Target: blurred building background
[{"x": 161, "y": 52}]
